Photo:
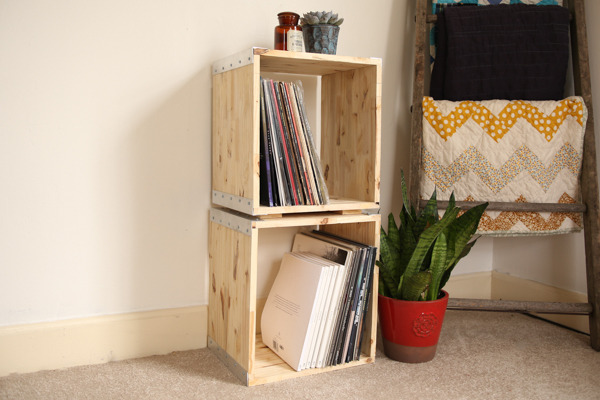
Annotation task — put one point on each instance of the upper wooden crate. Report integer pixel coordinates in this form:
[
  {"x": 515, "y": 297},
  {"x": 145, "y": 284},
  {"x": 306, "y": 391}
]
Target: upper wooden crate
[{"x": 350, "y": 128}]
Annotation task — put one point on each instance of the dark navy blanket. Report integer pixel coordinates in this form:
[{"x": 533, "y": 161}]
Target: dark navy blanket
[{"x": 513, "y": 52}]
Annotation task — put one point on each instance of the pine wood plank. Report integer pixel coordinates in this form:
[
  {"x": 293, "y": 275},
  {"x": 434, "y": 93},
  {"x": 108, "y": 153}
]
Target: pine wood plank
[
  {"x": 310, "y": 63},
  {"x": 309, "y": 219},
  {"x": 271, "y": 368},
  {"x": 350, "y": 122},
  {"x": 336, "y": 204},
  {"x": 235, "y": 120},
  {"x": 232, "y": 292}
]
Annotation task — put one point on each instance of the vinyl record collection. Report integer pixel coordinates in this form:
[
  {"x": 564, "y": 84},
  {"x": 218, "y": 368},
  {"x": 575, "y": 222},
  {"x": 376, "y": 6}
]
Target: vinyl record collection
[{"x": 290, "y": 170}]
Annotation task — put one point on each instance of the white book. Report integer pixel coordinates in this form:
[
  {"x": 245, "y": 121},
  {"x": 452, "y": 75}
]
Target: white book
[
  {"x": 317, "y": 316},
  {"x": 336, "y": 314},
  {"x": 289, "y": 307},
  {"x": 354, "y": 280},
  {"x": 321, "y": 310},
  {"x": 339, "y": 252},
  {"x": 326, "y": 307},
  {"x": 333, "y": 308}
]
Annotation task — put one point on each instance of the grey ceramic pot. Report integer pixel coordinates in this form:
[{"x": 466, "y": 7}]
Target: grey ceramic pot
[{"x": 320, "y": 38}]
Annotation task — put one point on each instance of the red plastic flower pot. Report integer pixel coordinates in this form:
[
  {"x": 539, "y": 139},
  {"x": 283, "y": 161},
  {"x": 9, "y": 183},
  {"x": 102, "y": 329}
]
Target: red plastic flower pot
[{"x": 411, "y": 329}]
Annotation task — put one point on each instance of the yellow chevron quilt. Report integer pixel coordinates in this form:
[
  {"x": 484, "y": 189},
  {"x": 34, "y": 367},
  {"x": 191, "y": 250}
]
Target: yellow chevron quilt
[{"x": 510, "y": 151}]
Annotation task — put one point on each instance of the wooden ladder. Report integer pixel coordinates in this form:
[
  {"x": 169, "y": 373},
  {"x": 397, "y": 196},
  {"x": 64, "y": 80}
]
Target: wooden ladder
[{"x": 589, "y": 205}]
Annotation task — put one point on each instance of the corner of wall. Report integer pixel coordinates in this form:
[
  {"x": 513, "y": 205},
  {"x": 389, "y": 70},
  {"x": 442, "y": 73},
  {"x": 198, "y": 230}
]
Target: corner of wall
[{"x": 477, "y": 285}]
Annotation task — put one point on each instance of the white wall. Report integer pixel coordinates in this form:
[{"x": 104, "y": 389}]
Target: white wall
[{"x": 105, "y": 124}]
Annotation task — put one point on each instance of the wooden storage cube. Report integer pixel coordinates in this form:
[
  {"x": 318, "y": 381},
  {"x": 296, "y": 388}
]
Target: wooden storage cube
[
  {"x": 350, "y": 107},
  {"x": 234, "y": 309}
]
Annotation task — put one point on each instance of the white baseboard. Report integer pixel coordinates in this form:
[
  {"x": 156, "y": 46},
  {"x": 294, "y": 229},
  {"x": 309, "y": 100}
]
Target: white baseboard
[{"x": 96, "y": 340}]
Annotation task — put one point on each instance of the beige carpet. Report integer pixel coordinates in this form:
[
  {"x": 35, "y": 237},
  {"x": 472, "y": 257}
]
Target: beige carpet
[{"x": 480, "y": 356}]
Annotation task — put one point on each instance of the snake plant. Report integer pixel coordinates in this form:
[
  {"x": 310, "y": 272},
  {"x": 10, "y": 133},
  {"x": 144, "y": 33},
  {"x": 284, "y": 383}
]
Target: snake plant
[{"x": 417, "y": 257}]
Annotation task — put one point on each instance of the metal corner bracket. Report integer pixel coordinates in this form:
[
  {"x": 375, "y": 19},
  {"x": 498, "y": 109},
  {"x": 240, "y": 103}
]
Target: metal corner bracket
[
  {"x": 237, "y": 60},
  {"x": 235, "y": 368},
  {"x": 232, "y": 220},
  {"x": 232, "y": 201}
]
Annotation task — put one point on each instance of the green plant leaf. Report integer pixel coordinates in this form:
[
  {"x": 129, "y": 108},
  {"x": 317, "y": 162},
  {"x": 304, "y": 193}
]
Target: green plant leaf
[
  {"x": 395, "y": 247},
  {"x": 414, "y": 286},
  {"x": 389, "y": 264},
  {"x": 462, "y": 229},
  {"x": 407, "y": 245},
  {"x": 404, "y": 191},
  {"x": 382, "y": 288},
  {"x": 393, "y": 232},
  {"x": 426, "y": 241},
  {"x": 438, "y": 266},
  {"x": 408, "y": 215},
  {"x": 418, "y": 255},
  {"x": 451, "y": 265},
  {"x": 460, "y": 234},
  {"x": 429, "y": 216},
  {"x": 451, "y": 202}
]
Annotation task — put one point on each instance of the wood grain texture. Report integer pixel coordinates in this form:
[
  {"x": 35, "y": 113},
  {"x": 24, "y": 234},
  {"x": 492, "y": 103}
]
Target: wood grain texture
[
  {"x": 271, "y": 368},
  {"x": 235, "y": 121},
  {"x": 310, "y": 63},
  {"x": 520, "y": 306},
  {"x": 589, "y": 174},
  {"x": 513, "y": 206},
  {"x": 350, "y": 133},
  {"x": 232, "y": 292},
  {"x": 335, "y": 204},
  {"x": 421, "y": 49},
  {"x": 310, "y": 219}
]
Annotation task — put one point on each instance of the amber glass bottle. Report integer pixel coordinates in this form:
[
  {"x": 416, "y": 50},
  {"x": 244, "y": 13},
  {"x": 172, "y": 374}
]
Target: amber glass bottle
[{"x": 288, "y": 34}]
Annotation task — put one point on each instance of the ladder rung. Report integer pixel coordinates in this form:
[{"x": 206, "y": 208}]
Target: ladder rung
[
  {"x": 520, "y": 306},
  {"x": 512, "y": 206}
]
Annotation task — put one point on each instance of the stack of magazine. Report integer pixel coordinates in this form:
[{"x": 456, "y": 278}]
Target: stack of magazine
[
  {"x": 290, "y": 170},
  {"x": 314, "y": 314}
]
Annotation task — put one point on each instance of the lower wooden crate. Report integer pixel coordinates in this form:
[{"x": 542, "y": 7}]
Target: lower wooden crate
[
  {"x": 269, "y": 367},
  {"x": 232, "y": 318}
]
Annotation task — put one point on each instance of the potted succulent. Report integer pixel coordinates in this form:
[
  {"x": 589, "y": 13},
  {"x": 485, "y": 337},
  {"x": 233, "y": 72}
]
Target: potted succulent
[
  {"x": 320, "y": 30},
  {"x": 416, "y": 260}
]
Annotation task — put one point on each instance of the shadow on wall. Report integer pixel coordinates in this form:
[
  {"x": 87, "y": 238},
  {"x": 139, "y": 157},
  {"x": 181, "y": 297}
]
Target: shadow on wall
[
  {"x": 556, "y": 260},
  {"x": 400, "y": 52},
  {"x": 170, "y": 155}
]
